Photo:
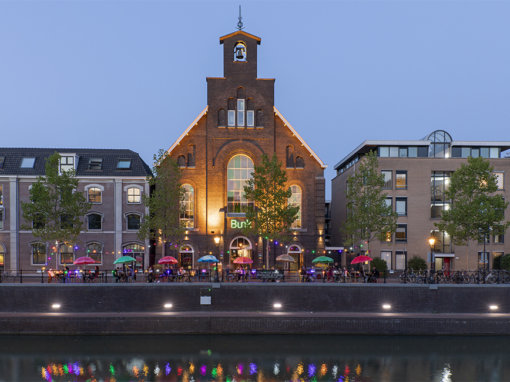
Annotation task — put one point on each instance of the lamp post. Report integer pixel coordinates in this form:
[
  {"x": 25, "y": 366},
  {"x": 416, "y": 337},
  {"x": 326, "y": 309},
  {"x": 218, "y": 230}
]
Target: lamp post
[{"x": 432, "y": 241}]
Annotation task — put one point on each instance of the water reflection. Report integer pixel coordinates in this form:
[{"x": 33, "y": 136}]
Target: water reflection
[{"x": 254, "y": 358}]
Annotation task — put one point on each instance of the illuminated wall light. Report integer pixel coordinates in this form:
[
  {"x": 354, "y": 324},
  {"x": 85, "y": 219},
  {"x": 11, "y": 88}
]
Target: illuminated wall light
[
  {"x": 277, "y": 305},
  {"x": 168, "y": 305},
  {"x": 55, "y": 306},
  {"x": 493, "y": 307},
  {"x": 386, "y": 306}
]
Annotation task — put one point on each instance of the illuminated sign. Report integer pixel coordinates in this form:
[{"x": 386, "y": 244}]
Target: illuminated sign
[{"x": 238, "y": 224}]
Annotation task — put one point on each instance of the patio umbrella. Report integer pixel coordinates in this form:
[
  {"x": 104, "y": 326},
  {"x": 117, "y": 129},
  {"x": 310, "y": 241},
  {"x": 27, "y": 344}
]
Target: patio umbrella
[
  {"x": 84, "y": 260},
  {"x": 322, "y": 259},
  {"x": 361, "y": 259},
  {"x": 243, "y": 260},
  {"x": 168, "y": 260},
  {"x": 208, "y": 259},
  {"x": 124, "y": 259},
  {"x": 286, "y": 257}
]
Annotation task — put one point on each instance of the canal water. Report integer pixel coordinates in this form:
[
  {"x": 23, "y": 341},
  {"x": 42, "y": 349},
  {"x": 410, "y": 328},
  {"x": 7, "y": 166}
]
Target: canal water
[{"x": 254, "y": 358}]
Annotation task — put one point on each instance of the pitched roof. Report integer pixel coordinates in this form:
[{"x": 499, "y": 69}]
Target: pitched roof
[
  {"x": 242, "y": 33},
  {"x": 109, "y": 158},
  {"x": 295, "y": 133},
  {"x": 192, "y": 125}
]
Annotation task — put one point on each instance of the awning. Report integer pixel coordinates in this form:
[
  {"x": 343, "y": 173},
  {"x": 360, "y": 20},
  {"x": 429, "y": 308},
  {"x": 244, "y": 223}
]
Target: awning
[{"x": 444, "y": 254}]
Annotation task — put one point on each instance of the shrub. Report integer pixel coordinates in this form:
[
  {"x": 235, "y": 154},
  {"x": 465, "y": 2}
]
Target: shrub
[
  {"x": 505, "y": 262},
  {"x": 379, "y": 264},
  {"x": 417, "y": 264}
]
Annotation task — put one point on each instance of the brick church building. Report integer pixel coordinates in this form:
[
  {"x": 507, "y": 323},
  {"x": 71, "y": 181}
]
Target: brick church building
[{"x": 217, "y": 154}]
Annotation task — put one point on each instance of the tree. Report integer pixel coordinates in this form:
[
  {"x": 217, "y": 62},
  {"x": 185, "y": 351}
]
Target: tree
[
  {"x": 55, "y": 210},
  {"x": 164, "y": 203},
  {"x": 271, "y": 216},
  {"x": 368, "y": 214},
  {"x": 476, "y": 210}
]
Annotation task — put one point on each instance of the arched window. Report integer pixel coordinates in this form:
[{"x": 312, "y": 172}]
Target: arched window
[
  {"x": 440, "y": 142},
  {"x": 289, "y": 154},
  {"x": 94, "y": 221},
  {"x": 295, "y": 252},
  {"x": 240, "y": 51},
  {"x": 240, "y": 247},
  {"x": 66, "y": 254},
  {"x": 186, "y": 256},
  {"x": 300, "y": 163},
  {"x": 134, "y": 195},
  {"x": 187, "y": 215},
  {"x": 181, "y": 161},
  {"x": 136, "y": 251},
  {"x": 133, "y": 221},
  {"x": 95, "y": 251},
  {"x": 239, "y": 171},
  {"x": 94, "y": 195},
  {"x": 38, "y": 253},
  {"x": 295, "y": 201}
]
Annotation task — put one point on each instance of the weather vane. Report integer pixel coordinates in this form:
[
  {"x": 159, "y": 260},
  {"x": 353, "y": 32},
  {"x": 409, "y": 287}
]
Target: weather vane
[{"x": 240, "y": 22}]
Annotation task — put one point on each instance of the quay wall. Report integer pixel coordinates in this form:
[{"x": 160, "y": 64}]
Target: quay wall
[{"x": 248, "y": 308}]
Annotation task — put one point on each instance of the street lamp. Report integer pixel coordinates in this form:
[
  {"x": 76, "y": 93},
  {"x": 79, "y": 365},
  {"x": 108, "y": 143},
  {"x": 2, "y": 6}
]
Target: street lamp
[
  {"x": 432, "y": 241},
  {"x": 217, "y": 242}
]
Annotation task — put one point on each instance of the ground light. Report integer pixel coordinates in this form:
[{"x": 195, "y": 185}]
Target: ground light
[
  {"x": 55, "y": 306},
  {"x": 277, "y": 305},
  {"x": 493, "y": 307},
  {"x": 386, "y": 306},
  {"x": 168, "y": 305}
]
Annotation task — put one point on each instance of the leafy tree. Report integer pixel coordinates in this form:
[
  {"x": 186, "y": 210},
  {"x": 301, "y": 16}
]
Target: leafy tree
[
  {"x": 379, "y": 264},
  {"x": 164, "y": 203},
  {"x": 55, "y": 210},
  {"x": 368, "y": 215},
  {"x": 417, "y": 264},
  {"x": 476, "y": 210},
  {"x": 505, "y": 262},
  {"x": 271, "y": 217}
]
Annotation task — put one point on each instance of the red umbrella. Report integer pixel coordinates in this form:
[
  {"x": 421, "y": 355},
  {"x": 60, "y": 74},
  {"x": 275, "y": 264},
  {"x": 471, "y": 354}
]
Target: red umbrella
[
  {"x": 243, "y": 260},
  {"x": 84, "y": 260},
  {"x": 361, "y": 259},
  {"x": 168, "y": 260}
]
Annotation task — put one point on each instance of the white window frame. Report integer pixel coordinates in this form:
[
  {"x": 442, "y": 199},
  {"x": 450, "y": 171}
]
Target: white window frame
[
  {"x": 386, "y": 256},
  {"x": 231, "y": 118},
  {"x": 126, "y": 217},
  {"x": 102, "y": 221},
  {"x": 131, "y": 186},
  {"x": 241, "y": 107},
  {"x": 89, "y": 186},
  {"x": 102, "y": 250}
]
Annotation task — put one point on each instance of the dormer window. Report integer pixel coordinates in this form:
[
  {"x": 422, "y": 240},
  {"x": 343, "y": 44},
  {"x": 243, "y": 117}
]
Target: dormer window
[
  {"x": 95, "y": 164},
  {"x": 124, "y": 164},
  {"x": 66, "y": 163},
  {"x": 27, "y": 162}
]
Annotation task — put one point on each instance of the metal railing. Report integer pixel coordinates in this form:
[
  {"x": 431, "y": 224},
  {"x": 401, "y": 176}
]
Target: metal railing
[{"x": 455, "y": 277}]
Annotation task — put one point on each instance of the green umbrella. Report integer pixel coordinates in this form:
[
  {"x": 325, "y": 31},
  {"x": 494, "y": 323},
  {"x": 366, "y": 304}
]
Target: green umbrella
[
  {"x": 322, "y": 259},
  {"x": 124, "y": 259}
]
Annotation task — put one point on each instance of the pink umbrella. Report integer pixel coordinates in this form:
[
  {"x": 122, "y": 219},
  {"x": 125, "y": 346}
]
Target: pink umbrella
[
  {"x": 84, "y": 260},
  {"x": 361, "y": 259},
  {"x": 243, "y": 260},
  {"x": 168, "y": 260}
]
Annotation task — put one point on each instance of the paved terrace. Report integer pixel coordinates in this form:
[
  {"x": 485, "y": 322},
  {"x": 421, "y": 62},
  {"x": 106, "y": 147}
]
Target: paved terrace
[{"x": 207, "y": 308}]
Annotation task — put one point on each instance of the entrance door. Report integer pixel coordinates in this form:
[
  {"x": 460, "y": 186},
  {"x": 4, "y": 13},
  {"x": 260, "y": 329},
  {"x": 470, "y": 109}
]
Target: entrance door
[
  {"x": 295, "y": 252},
  {"x": 138, "y": 252},
  {"x": 186, "y": 256}
]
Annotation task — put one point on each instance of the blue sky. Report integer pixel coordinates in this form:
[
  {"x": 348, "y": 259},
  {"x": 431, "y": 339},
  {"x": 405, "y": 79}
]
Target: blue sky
[{"x": 131, "y": 74}]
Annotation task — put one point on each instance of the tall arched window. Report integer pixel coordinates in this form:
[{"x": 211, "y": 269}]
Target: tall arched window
[
  {"x": 239, "y": 171},
  {"x": 95, "y": 251},
  {"x": 187, "y": 216},
  {"x": 295, "y": 201},
  {"x": 440, "y": 142}
]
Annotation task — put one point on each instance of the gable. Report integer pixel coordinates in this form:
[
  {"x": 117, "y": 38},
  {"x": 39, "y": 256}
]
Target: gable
[{"x": 186, "y": 132}]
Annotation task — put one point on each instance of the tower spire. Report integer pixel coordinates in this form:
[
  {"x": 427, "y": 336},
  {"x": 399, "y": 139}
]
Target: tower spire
[{"x": 240, "y": 22}]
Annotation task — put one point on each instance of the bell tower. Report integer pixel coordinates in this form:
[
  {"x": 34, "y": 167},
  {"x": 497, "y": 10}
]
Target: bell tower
[{"x": 240, "y": 53}]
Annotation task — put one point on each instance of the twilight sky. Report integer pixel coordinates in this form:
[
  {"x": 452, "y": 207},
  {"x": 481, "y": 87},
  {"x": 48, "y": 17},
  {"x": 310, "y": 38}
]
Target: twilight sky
[{"x": 131, "y": 73}]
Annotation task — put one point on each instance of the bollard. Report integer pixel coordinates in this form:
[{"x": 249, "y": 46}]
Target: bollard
[{"x": 20, "y": 276}]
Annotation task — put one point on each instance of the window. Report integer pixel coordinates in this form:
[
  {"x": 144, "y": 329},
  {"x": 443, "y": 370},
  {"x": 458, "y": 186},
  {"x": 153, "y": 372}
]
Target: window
[
  {"x": 388, "y": 183},
  {"x": 1, "y": 218},
  {"x": 300, "y": 162},
  {"x": 66, "y": 222},
  {"x": 133, "y": 222},
  {"x": 465, "y": 152},
  {"x": 389, "y": 204},
  {"x": 393, "y": 152},
  {"x": 240, "y": 112},
  {"x": 402, "y": 152},
  {"x": 221, "y": 118},
  {"x": 400, "y": 260},
  {"x": 401, "y": 233},
  {"x": 95, "y": 251},
  {"x": 443, "y": 242},
  {"x": 2, "y": 161},
  {"x": 2, "y": 256},
  {"x": 94, "y": 195},
  {"x": 384, "y": 151},
  {"x": 386, "y": 256},
  {"x": 401, "y": 206},
  {"x": 240, "y": 51},
  {"x": 401, "y": 180},
  {"x": 499, "y": 180},
  {"x": 38, "y": 222},
  {"x": 181, "y": 161},
  {"x": 440, "y": 142},
  {"x": 94, "y": 221},
  {"x": 494, "y": 152},
  {"x": 38, "y": 254},
  {"x": 134, "y": 195},
  {"x": 439, "y": 183},
  {"x": 295, "y": 201},
  {"x": 483, "y": 260},
  {"x": 124, "y": 164},
  {"x": 412, "y": 152},
  {"x": 484, "y": 152},
  {"x": 239, "y": 171},
  {"x": 27, "y": 162},
  {"x": 95, "y": 164},
  {"x": 259, "y": 118},
  {"x": 66, "y": 163},
  {"x": 187, "y": 215},
  {"x": 250, "y": 118},
  {"x": 66, "y": 254},
  {"x": 499, "y": 239}
]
